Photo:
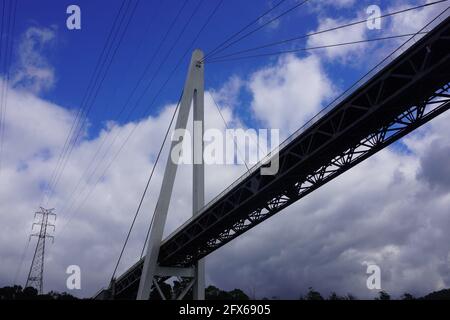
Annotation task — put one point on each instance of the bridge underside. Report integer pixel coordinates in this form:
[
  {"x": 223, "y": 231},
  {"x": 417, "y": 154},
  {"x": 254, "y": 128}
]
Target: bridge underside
[{"x": 409, "y": 92}]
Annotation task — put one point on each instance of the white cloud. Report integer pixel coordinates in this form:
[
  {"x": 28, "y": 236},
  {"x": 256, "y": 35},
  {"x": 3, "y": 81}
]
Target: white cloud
[
  {"x": 325, "y": 5},
  {"x": 391, "y": 209},
  {"x": 287, "y": 94},
  {"x": 409, "y": 22},
  {"x": 344, "y": 54},
  {"x": 91, "y": 232},
  {"x": 33, "y": 71},
  {"x": 358, "y": 54},
  {"x": 380, "y": 211},
  {"x": 412, "y": 21},
  {"x": 229, "y": 93},
  {"x": 338, "y": 3},
  {"x": 320, "y": 241},
  {"x": 34, "y": 136}
]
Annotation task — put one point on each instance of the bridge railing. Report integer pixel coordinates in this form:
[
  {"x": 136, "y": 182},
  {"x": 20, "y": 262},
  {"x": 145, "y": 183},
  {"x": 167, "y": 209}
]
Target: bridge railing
[{"x": 364, "y": 79}]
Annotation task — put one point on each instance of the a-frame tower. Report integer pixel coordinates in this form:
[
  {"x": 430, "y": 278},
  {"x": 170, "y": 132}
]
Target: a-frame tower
[{"x": 193, "y": 94}]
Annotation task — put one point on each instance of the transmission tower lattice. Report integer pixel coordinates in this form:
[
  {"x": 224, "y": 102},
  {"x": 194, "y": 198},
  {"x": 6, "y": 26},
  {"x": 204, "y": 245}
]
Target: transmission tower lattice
[{"x": 35, "y": 275}]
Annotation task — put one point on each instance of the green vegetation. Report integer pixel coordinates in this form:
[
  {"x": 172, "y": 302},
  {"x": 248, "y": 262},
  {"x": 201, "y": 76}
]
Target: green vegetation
[
  {"x": 19, "y": 293},
  {"x": 211, "y": 293}
]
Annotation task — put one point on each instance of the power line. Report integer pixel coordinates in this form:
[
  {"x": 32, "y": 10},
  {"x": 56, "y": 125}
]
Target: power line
[
  {"x": 128, "y": 100},
  {"x": 237, "y": 147},
  {"x": 153, "y": 101},
  {"x": 261, "y": 26},
  {"x": 85, "y": 108},
  {"x": 147, "y": 30},
  {"x": 146, "y": 188},
  {"x": 22, "y": 259},
  {"x": 147, "y": 235},
  {"x": 389, "y": 56},
  {"x": 135, "y": 89},
  {"x": 79, "y": 132},
  {"x": 307, "y": 35},
  {"x": 166, "y": 56},
  {"x": 244, "y": 28},
  {"x": 97, "y": 90},
  {"x": 79, "y": 112},
  {"x": 227, "y": 127},
  {"x": 2, "y": 24},
  {"x": 7, "y": 61},
  {"x": 317, "y": 47},
  {"x": 4, "y": 3}
]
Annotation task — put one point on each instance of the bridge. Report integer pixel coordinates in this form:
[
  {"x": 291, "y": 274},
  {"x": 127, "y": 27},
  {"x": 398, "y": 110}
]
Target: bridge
[{"x": 398, "y": 97}]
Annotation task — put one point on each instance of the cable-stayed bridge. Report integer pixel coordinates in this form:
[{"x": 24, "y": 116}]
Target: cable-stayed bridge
[{"x": 391, "y": 101}]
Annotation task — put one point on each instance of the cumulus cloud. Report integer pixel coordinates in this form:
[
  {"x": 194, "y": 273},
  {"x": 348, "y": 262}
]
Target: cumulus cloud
[
  {"x": 275, "y": 23},
  {"x": 34, "y": 136},
  {"x": 339, "y": 4},
  {"x": 382, "y": 211},
  {"x": 385, "y": 210},
  {"x": 436, "y": 176},
  {"x": 358, "y": 54},
  {"x": 414, "y": 20},
  {"x": 91, "y": 222},
  {"x": 289, "y": 93},
  {"x": 33, "y": 71},
  {"x": 229, "y": 93},
  {"x": 343, "y": 53},
  {"x": 410, "y": 22}
]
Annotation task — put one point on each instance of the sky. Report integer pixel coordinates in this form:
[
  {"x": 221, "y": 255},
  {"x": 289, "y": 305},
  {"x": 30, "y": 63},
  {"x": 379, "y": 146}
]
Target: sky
[{"x": 391, "y": 210}]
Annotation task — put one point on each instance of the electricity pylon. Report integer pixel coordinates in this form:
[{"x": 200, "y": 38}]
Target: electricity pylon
[{"x": 36, "y": 273}]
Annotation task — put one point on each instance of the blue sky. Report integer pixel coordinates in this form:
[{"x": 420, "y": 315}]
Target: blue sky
[
  {"x": 324, "y": 238},
  {"x": 74, "y": 54}
]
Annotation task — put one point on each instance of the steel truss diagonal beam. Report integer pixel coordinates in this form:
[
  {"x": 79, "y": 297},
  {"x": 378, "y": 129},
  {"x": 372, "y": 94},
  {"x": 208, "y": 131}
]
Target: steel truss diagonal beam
[
  {"x": 400, "y": 126},
  {"x": 400, "y": 91},
  {"x": 405, "y": 94}
]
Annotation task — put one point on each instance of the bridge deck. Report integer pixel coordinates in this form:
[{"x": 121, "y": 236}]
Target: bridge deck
[{"x": 409, "y": 90}]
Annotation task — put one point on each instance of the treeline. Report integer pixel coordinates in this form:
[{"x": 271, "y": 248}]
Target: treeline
[
  {"x": 211, "y": 293},
  {"x": 382, "y": 295},
  {"x": 29, "y": 293}
]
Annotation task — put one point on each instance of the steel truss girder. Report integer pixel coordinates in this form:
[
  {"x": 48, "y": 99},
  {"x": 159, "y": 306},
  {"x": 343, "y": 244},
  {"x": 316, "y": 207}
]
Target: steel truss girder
[
  {"x": 410, "y": 91},
  {"x": 408, "y": 82},
  {"x": 402, "y": 125}
]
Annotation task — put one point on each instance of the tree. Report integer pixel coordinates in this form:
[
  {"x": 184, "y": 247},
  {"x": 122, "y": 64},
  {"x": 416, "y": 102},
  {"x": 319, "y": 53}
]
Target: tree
[
  {"x": 407, "y": 296},
  {"x": 313, "y": 295},
  {"x": 214, "y": 293},
  {"x": 335, "y": 296},
  {"x": 29, "y": 293},
  {"x": 238, "y": 294},
  {"x": 438, "y": 295},
  {"x": 383, "y": 295},
  {"x": 10, "y": 293}
]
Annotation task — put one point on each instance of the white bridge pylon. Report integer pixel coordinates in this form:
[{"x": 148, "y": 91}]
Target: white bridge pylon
[{"x": 193, "y": 93}]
